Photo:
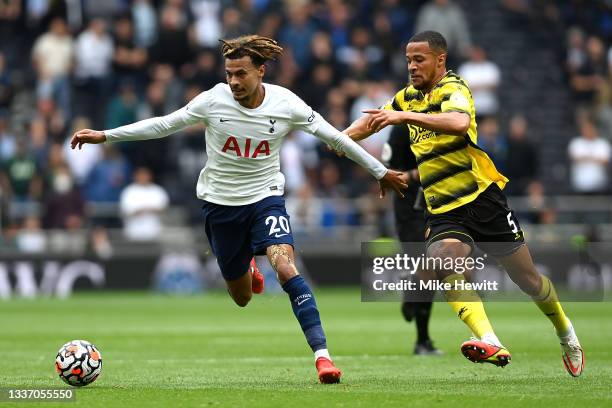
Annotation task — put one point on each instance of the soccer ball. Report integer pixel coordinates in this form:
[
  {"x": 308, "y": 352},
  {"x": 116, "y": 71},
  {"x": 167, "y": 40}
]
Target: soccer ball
[{"x": 78, "y": 363}]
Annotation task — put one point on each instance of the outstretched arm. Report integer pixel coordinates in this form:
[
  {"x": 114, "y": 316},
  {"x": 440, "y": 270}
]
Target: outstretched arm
[
  {"x": 153, "y": 128},
  {"x": 358, "y": 130},
  {"x": 341, "y": 143},
  {"x": 450, "y": 123}
]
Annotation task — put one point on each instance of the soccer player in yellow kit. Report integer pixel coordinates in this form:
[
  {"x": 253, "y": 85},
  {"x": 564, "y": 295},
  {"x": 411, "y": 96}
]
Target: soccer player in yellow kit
[{"x": 463, "y": 193}]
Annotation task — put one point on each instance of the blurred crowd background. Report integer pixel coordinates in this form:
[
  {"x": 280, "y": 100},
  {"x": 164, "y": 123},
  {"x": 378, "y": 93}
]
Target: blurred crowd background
[{"x": 540, "y": 72}]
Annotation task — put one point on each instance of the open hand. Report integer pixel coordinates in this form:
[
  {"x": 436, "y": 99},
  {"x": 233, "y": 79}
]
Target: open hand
[
  {"x": 395, "y": 180},
  {"x": 381, "y": 118},
  {"x": 85, "y": 136}
]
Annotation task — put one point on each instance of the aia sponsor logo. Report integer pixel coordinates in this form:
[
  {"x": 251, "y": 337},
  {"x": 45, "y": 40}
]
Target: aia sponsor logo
[{"x": 231, "y": 144}]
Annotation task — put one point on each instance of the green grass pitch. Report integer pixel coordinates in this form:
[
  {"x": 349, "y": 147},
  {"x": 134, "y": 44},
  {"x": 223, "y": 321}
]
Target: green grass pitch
[{"x": 203, "y": 351}]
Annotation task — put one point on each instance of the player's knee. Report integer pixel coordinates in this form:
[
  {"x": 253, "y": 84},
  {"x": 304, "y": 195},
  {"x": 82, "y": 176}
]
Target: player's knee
[
  {"x": 448, "y": 249},
  {"x": 444, "y": 250},
  {"x": 437, "y": 249},
  {"x": 285, "y": 271},
  {"x": 242, "y": 299},
  {"x": 530, "y": 283}
]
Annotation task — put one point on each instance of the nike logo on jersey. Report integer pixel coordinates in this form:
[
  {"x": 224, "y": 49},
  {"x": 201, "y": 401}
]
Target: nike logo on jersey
[
  {"x": 302, "y": 301},
  {"x": 277, "y": 235},
  {"x": 223, "y": 120}
]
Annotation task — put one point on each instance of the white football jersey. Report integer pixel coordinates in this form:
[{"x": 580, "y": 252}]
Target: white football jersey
[{"x": 243, "y": 144}]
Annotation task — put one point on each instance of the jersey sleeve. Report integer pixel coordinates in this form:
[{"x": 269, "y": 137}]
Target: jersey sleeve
[
  {"x": 303, "y": 116},
  {"x": 342, "y": 143},
  {"x": 153, "y": 128},
  {"x": 199, "y": 105},
  {"x": 456, "y": 98}
]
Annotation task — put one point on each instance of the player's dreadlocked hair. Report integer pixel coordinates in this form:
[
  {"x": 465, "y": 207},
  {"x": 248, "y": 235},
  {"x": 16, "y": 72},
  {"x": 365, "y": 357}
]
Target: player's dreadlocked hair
[{"x": 260, "y": 49}]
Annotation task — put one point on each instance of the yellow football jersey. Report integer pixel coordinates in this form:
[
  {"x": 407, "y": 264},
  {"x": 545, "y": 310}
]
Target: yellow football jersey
[{"x": 453, "y": 169}]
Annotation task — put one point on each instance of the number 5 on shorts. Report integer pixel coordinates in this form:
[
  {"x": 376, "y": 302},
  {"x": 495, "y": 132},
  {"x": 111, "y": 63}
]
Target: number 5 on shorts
[{"x": 511, "y": 223}]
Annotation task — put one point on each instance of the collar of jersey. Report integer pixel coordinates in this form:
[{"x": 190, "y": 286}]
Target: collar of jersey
[
  {"x": 263, "y": 102},
  {"x": 421, "y": 95}
]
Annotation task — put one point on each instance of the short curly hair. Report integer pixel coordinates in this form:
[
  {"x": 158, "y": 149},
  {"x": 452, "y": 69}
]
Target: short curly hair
[
  {"x": 436, "y": 41},
  {"x": 260, "y": 49}
]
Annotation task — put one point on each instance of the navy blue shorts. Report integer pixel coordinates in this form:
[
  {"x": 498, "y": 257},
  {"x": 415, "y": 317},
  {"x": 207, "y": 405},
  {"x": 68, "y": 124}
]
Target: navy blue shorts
[{"x": 236, "y": 233}]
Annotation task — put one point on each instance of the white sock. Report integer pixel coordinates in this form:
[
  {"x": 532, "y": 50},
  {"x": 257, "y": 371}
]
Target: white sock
[
  {"x": 491, "y": 338},
  {"x": 322, "y": 353},
  {"x": 567, "y": 335}
]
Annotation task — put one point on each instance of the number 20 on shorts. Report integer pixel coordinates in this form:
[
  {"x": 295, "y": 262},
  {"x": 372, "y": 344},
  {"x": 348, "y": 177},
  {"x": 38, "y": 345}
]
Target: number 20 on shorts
[{"x": 278, "y": 224}]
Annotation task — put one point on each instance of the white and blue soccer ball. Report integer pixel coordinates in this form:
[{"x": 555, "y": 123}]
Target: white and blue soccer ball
[{"x": 78, "y": 363}]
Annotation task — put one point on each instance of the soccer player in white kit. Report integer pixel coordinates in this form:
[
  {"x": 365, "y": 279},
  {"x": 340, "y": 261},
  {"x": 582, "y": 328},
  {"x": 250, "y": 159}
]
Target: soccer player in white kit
[{"x": 242, "y": 186}]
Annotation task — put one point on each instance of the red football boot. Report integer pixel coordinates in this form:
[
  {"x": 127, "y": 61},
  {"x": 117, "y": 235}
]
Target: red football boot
[
  {"x": 257, "y": 283},
  {"x": 328, "y": 372},
  {"x": 479, "y": 351}
]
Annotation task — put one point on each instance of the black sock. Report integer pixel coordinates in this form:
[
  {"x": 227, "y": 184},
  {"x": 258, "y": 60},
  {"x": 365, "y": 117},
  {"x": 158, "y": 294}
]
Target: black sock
[
  {"x": 422, "y": 313},
  {"x": 408, "y": 310}
]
